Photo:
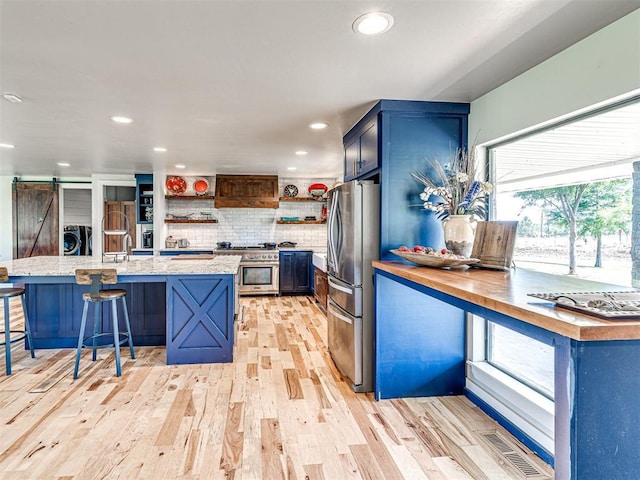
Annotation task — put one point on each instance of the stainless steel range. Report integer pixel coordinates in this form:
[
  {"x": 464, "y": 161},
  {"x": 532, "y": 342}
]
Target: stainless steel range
[{"x": 259, "y": 269}]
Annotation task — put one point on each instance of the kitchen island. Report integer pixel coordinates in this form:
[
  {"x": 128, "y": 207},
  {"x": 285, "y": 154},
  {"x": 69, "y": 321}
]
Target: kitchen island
[
  {"x": 187, "y": 305},
  {"x": 420, "y": 341}
]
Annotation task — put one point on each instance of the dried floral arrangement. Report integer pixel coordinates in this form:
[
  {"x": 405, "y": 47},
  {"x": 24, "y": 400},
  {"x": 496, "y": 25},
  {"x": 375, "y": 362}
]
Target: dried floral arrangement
[{"x": 452, "y": 188}]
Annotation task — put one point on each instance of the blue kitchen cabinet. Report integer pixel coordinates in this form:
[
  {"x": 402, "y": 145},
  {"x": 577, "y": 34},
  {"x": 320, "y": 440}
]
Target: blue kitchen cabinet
[
  {"x": 144, "y": 198},
  {"x": 55, "y": 311},
  {"x": 172, "y": 253},
  {"x": 296, "y": 272},
  {"x": 390, "y": 142},
  {"x": 361, "y": 151}
]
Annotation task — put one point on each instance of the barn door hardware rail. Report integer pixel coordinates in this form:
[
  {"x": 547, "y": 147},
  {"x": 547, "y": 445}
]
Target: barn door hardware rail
[{"x": 54, "y": 182}]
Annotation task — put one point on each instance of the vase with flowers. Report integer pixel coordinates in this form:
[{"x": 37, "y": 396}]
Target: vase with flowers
[{"x": 457, "y": 197}]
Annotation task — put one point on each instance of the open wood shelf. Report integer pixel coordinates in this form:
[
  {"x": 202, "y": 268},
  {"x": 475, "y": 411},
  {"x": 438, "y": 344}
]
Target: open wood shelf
[
  {"x": 181, "y": 220},
  {"x": 301, "y": 199},
  {"x": 189, "y": 197},
  {"x": 302, "y": 222}
]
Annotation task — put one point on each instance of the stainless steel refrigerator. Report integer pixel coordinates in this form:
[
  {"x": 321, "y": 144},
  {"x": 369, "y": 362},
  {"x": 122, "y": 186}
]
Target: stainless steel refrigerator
[{"x": 353, "y": 224}]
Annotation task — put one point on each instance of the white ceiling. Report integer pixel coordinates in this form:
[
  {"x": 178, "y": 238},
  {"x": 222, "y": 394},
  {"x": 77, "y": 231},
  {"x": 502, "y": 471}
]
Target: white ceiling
[{"x": 230, "y": 86}]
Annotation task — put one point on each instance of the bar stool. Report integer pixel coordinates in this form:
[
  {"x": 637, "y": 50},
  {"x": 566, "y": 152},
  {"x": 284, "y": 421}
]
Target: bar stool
[
  {"x": 95, "y": 277},
  {"x": 6, "y": 294}
]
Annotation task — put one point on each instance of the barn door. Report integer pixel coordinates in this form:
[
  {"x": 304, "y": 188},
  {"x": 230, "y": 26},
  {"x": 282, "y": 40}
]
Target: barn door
[{"x": 35, "y": 219}]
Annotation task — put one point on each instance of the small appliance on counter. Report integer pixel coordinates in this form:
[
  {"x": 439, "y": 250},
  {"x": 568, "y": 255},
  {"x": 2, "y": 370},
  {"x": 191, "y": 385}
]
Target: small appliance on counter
[
  {"x": 147, "y": 239},
  {"x": 170, "y": 242}
]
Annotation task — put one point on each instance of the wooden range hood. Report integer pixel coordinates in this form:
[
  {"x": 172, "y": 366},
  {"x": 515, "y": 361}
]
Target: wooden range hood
[{"x": 247, "y": 191}]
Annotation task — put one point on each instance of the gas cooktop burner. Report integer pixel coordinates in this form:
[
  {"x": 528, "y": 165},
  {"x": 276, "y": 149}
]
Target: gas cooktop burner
[{"x": 252, "y": 254}]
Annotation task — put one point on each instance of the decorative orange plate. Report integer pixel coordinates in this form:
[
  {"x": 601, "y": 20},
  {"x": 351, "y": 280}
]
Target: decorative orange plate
[
  {"x": 317, "y": 190},
  {"x": 318, "y": 186},
  {"x": 200, "y": 186},
  {"x": 176, "y": 185}
]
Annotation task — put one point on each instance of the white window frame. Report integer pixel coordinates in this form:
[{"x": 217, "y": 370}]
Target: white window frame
[
  {"x": 527, "y": 409},
  {"x": 521, "y": 405}
]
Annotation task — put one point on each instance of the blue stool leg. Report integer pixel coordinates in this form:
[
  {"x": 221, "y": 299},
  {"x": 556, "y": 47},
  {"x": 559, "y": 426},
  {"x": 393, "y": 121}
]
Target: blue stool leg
[
  {"x": 97, "y": 306},
  {"x": 116, "y": 336},
  {"x": 83, "y": 322},
  {"x": 7, "y": 336},
  {"x": 128, "y": 325},
  {"x": 27, "y": 327}
]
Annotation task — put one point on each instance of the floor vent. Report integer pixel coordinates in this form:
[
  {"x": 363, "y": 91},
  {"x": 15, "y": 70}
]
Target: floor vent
[{"x": 514, "y": 457}]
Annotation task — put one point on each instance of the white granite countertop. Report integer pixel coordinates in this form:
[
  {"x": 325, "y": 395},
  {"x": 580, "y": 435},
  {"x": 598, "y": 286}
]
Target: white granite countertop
[
  {"x": 137, "y": 265},
  {"x": 208, "y": 249}
]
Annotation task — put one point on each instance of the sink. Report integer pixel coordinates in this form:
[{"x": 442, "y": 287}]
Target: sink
[
  {"x": 320, "y": 261},
  {"x": 193, "y": 256}
]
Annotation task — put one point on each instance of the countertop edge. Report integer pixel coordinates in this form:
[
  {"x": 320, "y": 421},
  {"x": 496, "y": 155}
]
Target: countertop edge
[
  {"x": 496, "y": 290},
  {"x": 58, "y": 266}
]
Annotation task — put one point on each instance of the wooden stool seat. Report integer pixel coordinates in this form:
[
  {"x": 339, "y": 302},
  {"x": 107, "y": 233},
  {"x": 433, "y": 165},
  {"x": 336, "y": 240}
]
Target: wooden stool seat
[
  {"x": 104, "y": 295},
  {"x": 18, "y": 335},
  {"x": 115, "y": 339},
  {"x": 11, "y": 292}
]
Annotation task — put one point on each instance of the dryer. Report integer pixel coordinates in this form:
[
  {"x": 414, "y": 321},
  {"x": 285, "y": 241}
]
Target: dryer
[
  {"x": 86, "y": 240},
  {"x": 72, "y": 240}
]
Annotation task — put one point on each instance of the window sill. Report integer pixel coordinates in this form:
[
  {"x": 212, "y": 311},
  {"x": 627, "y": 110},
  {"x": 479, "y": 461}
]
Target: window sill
[{"x": 527, "y": 409}]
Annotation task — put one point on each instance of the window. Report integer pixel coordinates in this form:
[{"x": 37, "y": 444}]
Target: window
[
  {"x": 525, "y": 359},
  {"x": 513, "y": 373}
]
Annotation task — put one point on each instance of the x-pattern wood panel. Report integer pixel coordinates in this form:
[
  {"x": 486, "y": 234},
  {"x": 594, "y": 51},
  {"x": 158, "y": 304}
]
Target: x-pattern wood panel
[{"x": 201, "y": 330}]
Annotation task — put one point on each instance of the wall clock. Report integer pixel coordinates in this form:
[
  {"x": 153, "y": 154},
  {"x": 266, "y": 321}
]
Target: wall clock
[{"x": 290, "y": 191}]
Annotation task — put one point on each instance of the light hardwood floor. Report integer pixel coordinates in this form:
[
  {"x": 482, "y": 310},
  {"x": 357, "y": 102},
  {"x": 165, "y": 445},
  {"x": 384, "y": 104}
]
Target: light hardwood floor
[{"x": 280, "y": 411}]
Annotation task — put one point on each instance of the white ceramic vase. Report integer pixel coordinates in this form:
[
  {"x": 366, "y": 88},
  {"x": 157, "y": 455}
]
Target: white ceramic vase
[{"x": 459, "y": 233}]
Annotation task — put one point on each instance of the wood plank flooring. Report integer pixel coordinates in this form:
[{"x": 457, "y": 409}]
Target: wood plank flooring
[{"x": 280, "y": 411}]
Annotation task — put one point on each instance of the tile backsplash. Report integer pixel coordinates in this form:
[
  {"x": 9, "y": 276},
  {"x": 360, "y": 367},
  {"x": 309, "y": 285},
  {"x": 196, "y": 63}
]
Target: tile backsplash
[{"x": 251, "y": 226}]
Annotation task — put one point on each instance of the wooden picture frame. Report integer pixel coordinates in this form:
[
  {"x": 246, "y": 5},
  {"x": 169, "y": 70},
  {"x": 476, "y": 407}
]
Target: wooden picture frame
[{"x": 494, "y": 244}]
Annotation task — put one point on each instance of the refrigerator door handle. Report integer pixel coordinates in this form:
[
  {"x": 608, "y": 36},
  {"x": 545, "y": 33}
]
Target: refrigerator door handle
[
  {"x": 333, "y": 257},
  {"x": 340, "y": 287},
  {"x": 339, "y": 315}
]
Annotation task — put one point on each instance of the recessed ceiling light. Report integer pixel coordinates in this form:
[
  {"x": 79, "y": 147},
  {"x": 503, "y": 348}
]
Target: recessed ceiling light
[
  {"x": 63, "y": 164},
  {"x": 120, "y": 119},
  {"x": 12, "y": 98},
  {"x": 291, "y": 168},
  {"x": 318, "y": 125},
  {"x": 301, "y": 152},
  {"x": 159, "y": 149},
  {"x": 180, "y": 165},
  {"x": 373, "y": 23},
  {"x": 7, "y": 145}
]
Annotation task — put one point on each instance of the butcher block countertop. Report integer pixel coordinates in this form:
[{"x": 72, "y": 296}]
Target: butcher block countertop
[
  {"x": 142, "y": 265},
  {"x": 506, "y": 292}
]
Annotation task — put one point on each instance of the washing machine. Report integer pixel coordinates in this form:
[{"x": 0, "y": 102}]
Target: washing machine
[{"x": 72, "y": 240}]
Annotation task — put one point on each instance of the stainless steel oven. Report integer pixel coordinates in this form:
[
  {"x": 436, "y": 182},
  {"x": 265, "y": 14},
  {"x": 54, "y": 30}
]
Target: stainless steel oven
[
  {"x": 258, "y": 278},
  {"x": 259, "y": 269}
]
